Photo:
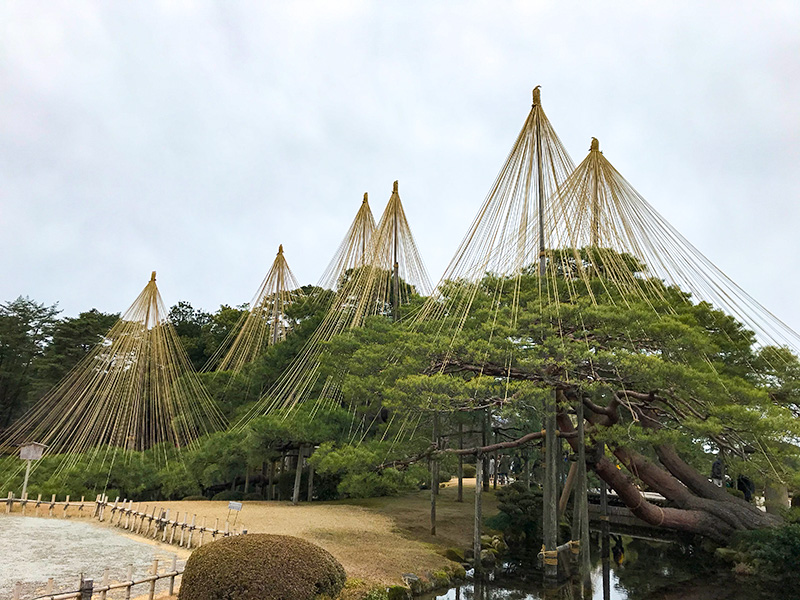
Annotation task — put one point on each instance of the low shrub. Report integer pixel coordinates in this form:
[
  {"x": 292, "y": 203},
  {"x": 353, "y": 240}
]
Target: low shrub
[
  {"x": 261, "y": 567},
  {"x": 772, "y": 553},
  {"x": 252, "y": 496},
  {"x": 194, "y": 498},
  {"x": 469, "y": 471},
  {"x": 228, "y": 495}
]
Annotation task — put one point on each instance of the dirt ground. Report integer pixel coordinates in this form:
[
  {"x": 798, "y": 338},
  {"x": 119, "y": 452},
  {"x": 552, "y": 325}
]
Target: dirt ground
[{"x": 375, "y": 539}]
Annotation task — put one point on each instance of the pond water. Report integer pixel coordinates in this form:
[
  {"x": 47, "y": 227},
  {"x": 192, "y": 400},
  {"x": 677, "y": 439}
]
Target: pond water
[
  {"x": 34, "y": 549},
  {"x": 649, "y": 570}
]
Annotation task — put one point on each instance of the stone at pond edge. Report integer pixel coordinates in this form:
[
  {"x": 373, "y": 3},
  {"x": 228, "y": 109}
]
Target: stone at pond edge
[
  {"x": 398, "y": 592},
  {"x": 488, "y": 558}
]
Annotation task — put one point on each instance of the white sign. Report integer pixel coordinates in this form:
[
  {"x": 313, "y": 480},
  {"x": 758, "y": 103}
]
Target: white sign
[
  {"x": 31, "y": 451},
  {"x": 234, "y": 506}
]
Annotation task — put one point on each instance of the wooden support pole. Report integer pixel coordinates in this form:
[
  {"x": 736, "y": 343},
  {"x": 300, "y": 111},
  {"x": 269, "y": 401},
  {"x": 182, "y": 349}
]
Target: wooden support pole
[
  {"x": 434, "y": 478},
  {"x": 281, "y": 467},
  {"x": 460, "y": 496},
  {"x": 567, "y": 490},
  {"x": 310, "y": 494},
  {"x": 476, "y": 531},
  {"x": 487, "y": 417},
  {"x": 271, "y": 495},
  {"x": 582, "y": 503},
  {"x": 298, "y": 474},
  {"x": 604, "y": 541},
  {"x": 550, "y": 506}
]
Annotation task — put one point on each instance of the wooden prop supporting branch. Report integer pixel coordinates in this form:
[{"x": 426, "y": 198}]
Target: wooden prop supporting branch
[
  {"x": 550, "y": 508},
  {"x": 580, "y": 519}
]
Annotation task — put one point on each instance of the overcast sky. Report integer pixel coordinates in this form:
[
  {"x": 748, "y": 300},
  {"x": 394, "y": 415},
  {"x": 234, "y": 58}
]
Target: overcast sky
[{"x": 193, "y": 137}]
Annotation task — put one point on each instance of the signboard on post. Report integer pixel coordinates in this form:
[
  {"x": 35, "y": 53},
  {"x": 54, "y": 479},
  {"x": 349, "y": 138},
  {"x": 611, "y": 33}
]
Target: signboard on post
[
  {"x": 31, "y": 450},
  {"x": 234, "y": 506}
]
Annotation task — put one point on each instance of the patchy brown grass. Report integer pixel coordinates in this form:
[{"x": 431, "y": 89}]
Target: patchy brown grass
[{"x": 375, "y": 539}]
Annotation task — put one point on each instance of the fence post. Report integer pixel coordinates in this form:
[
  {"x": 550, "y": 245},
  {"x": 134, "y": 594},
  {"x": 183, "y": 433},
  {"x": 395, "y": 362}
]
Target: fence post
[
  {"x": 153, "y": 582},
  {"x": 191, "y": 531},
  {"x": 80, "y": 508},
  {"x": 52, "y": 505},
  {"x": 202, "y": 531},
  {"x": 130, "y": 583},
  {"x": 10, "y": 501},
  {"x": 17, "y": 590},
  {"x": 51, "y": 584},
  {"x": 38, "y": 503},
  {"x": 105, "y": 585},
  {"x": 87, "y": 589},
  {"x": 66, "y": 506},
  {"x": 173, "y": 570}
]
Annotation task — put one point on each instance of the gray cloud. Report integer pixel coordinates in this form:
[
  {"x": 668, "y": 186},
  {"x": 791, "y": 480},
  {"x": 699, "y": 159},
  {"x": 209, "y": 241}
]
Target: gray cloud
[{"x": 194, "y": 137}]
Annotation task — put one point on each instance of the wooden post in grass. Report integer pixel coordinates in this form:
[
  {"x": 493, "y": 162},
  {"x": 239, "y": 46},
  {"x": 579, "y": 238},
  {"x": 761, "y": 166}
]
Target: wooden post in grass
[
  {"x": 298, "y": 473},
  {"x": 460, "y": 496},
  {"x": 434, "y": 475},
  {"x": 476, "y": 533}
]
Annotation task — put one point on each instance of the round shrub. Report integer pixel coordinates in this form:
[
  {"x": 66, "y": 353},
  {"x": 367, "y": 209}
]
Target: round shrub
[
  {"x": 194, "y": 498},
  {"x": 261, "y": 567},
  {"x": 469, "y": 471},
  {"x": 252, "y": 496}
]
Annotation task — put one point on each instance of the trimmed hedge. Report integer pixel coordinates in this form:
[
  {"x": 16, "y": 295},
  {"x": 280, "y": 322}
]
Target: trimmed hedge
[{"x": 261, "y": 567}]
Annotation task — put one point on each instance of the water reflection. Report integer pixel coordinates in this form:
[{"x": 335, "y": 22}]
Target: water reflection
[{"x": 635, "y": 569}]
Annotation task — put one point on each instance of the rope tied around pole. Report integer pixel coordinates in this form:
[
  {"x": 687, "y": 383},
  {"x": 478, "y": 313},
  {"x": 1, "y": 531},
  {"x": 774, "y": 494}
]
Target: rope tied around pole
[
  {"x": 574, "y": 546},
  {"x": 550, "y": 557}
]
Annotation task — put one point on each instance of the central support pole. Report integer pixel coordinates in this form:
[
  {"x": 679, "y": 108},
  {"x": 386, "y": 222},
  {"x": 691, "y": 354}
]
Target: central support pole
[
  {"x": 396, "y": 273},
  {"x": 537, "y": 104},
  {"x": 275, "y": 300},
  {"x": 595, "y": 194},
  {"x": 550, "y": 503}
]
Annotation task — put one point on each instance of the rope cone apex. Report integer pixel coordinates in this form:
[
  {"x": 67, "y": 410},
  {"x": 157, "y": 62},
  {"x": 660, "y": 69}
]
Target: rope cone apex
[
  {"x": 153, "y": 276},
  {"x": 595, "y": 147},
  {"x": 394, "y": 187},
  {"x": 365, "y": 198},
  {"x": 537, "y": 96}
]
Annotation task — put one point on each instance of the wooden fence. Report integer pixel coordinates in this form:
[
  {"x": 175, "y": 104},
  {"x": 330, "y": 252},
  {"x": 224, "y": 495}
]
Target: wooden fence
[
  {"x": 153, "y": 523},
  {"x": 88, "y": 591}
]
